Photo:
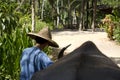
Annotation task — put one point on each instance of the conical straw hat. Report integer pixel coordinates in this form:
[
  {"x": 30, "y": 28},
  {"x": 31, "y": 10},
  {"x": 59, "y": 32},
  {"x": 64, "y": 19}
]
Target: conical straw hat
[{"x": 44, "y": 34}]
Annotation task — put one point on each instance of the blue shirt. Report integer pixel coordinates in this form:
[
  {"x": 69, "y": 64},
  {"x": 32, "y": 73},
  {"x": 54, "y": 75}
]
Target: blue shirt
[{"x": 32, "y": 60}]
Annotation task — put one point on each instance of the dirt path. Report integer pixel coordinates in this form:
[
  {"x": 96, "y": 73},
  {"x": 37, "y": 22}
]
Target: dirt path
[{"x": 76, "y": 38}]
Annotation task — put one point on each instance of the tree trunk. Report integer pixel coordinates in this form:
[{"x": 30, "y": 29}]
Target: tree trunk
[
  {"x": 69, "y": 14},
  {"x": 94, "y": 15},
  {"x": 87, "y": 21},
  {"x": 57, "y": 24},
  {"x": 74, "y": 17},
  {"x": 42, "y": 12},
  {"x": 39, "y": 8},
  {"x": 33, "y": 15},
  {"x": 81, "y": 25}
]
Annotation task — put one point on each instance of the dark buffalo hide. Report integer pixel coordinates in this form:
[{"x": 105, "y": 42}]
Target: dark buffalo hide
[{"x": 84, "y": 63}]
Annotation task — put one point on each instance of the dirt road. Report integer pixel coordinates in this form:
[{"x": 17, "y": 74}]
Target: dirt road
[{"x": 76, "y": 38}]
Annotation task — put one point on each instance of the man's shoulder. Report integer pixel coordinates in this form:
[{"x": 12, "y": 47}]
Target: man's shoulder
[
  {"x": 29, "y": 49},
  {"x": 26, "y": 49}
]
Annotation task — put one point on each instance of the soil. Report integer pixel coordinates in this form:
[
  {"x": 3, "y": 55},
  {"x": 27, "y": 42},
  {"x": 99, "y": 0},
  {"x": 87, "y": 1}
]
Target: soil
[{"x": 77, "y": 38}]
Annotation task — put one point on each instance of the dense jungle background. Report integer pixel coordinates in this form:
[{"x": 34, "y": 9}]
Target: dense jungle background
[{"x": 18, "y": 17}]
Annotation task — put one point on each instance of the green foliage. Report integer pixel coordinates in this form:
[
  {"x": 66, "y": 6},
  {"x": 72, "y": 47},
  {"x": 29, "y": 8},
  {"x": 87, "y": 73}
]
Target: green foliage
[
  {"x": 25, "y": 21},
  {"x": 108, "y": 25},
  {"x": 116, "y": 34},
  {"x": 116, "y": 19},
  {"x": 26, "y": 8},
  {"x": 116, "y": 12},
  {"x": 11, "y": 48},
  {"x": 9, "y": 66},
  {"x": 113, "y": 3},
  {"x": 8, "y": 18},
  {"x": 112, "y": 26},
  {"x": 40, "y": 24}
]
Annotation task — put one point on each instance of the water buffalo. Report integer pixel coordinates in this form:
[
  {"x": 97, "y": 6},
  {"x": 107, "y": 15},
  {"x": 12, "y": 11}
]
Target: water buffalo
[{"x": 84, "y": 63}]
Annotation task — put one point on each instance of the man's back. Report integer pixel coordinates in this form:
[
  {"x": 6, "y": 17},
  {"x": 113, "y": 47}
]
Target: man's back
[{"x": 32, "y": 60}]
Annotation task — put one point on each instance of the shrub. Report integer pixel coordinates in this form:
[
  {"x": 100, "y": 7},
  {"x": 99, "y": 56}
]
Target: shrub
[
  {"x": 11, "y": 48},
  {"x": 108, "y": 25},
  {"x": 40, "y": 24},
  {"x": 116, "y": 34}
]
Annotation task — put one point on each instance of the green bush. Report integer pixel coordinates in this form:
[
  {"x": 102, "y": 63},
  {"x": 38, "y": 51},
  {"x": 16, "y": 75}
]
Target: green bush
[
  {"x": 8, "y": 18},
  {"x": 40, "y": 24},
  {"x": 108, "y": 24},
  {"x": 112, "y": 26},
  {"x": 25, "y": 21},
  {"x": 116, "y": 34},
  {"x": 11, "y": 48}
]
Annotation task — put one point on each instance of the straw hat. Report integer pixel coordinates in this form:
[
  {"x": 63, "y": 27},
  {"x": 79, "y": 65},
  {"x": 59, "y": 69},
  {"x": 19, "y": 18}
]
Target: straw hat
[{"x": 44, "y": 34}]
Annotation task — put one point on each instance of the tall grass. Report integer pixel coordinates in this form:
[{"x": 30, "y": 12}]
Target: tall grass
[{"x": 10, "y": 52}]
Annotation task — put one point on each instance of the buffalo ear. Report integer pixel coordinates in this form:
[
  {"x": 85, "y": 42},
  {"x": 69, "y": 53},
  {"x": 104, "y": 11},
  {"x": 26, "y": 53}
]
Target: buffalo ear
[{"x": 61, "y": 53}]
